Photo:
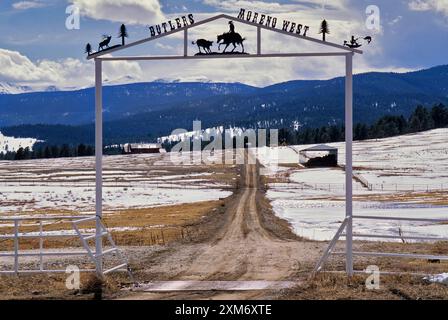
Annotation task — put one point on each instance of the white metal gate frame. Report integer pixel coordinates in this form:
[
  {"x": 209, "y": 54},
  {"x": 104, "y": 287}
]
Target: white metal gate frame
[
  {"x": 74, "y": 221},
  {"x": 346, "y": 52},
  {"x": 340, "y": 234}
]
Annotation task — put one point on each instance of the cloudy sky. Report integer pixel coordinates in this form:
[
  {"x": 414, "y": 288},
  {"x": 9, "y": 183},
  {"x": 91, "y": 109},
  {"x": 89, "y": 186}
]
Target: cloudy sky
[{"x": 36, "y": 48}]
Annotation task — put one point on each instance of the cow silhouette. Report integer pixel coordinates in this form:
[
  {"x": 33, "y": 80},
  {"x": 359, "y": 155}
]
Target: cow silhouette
[
  {"x": 205, "y": 44},
  {"x": 104, "y": 43},
  {"x": 230, "y": 38}
]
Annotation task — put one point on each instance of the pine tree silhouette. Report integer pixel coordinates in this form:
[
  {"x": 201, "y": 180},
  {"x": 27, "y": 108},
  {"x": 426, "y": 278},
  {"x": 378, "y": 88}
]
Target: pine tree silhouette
[
  {"x": 324, "y": 29},
  {"x": 123, "y": 33},
  {"x": 88, "y": 49}
]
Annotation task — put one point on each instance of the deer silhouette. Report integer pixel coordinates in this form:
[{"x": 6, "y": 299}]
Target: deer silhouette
[{"x": 104, "y": 43}]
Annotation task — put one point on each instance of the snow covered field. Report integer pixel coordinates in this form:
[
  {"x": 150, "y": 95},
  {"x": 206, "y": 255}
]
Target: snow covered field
[
  {"x": 134, "y": 181},
  {"x": 403, "y": 176},
  {"x": 407, "y": 177}
]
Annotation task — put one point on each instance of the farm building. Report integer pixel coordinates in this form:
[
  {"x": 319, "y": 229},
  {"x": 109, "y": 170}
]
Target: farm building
[
  {"x": 139, "y": 148},
  {"x": 319, "y": 156}
]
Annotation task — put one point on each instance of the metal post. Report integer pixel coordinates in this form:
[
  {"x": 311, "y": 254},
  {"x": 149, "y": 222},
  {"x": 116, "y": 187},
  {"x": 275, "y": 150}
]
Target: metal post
[
  {"x": 349, "y": 162},
  {"x": 258, "y": 40},
  {"x": 16, "y": 247},
  {"x": 98, "y": 165},
  {"x": 185, "y": 42},
  {"x": 41, "y": 246}
]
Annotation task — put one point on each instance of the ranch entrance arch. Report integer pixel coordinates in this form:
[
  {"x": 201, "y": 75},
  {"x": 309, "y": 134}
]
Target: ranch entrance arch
[{"x": 342, "y": 51}]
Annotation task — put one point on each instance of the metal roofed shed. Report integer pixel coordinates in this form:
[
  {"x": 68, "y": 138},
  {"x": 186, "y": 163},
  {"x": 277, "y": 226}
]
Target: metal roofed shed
[
  {"x": 140, "y": 148},
  {"x": 319, "y": 156}
]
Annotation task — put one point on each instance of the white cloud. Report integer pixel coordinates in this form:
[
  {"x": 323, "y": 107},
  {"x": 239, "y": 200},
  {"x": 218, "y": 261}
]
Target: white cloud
[
  {"x": 429, "y": 5},
  {"x": 343, "y": 23},
  {"x": 25, "y": 5},
  {"x": 144, "y": 12},
  {"x": 396, "y": 20},
  {"x": 276, "y": 7},
  {"x": 65, "y": 73}
]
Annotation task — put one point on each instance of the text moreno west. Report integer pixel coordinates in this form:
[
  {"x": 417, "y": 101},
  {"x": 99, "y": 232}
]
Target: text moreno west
[
  {"x": 249, "y": 16},
  {"x": 271, "y": 22}
]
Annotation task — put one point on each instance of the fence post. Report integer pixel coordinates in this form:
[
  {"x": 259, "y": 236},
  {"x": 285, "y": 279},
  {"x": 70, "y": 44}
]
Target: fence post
[
  {"x": 16, "y": 247},
  {"x": 41, "y": 246},
  {"x": 349, "y": 163}
]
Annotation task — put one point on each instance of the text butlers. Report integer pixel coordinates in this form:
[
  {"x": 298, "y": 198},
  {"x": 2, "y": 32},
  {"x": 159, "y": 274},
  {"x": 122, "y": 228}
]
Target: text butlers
[
  {"x": 171, "y": 25},
  {"x": 271, "y": 22}
]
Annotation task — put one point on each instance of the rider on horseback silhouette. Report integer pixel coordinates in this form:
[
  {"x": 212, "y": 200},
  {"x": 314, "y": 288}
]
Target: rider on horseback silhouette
[
  {"x": 229, "y": 38},
  {"x": 232, "y": 27}
]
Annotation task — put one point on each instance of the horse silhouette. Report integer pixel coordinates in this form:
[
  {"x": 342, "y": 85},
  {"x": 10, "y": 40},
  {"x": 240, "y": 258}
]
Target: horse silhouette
[
  {"x": 104, "y": 43},
  {"x": 205, "y": 44},
  {"x": 230, "y": 38}
]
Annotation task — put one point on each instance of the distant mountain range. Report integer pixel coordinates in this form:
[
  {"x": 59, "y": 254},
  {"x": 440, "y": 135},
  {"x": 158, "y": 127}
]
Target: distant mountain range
[{"x": 148, "y": 110}]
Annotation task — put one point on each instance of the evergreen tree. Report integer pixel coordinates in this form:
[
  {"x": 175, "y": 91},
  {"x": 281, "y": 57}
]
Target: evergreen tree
[
  {"x": 88, "y": 49},
  {"x": 361, "y": 132},
  {"x": 424, "y": 118},
  {"x": 439, "y": 116},
  {"x": 54, "y": 151},
  {"x": 324, "y": 29},
  {"x": 47, "y": 153},
  {"x": 90, "y": 151},
  {"x": 19, "y": 154},
  {"x": 26, "y": 153},
  {"x": 415, "y": 124},
  {"x": 65, "y": 151},
  {"x": 123, "y": 34},
  {"x": 82, "y": 150}
]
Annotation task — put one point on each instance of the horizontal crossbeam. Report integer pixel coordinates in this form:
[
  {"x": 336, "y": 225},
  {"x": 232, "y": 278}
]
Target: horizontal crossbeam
[
  {"x": 401, "y": 219},
  {"x": 396, "y": 255},
  {"x": 376, "y": 236},
  {"x": 226, "y": 56}
]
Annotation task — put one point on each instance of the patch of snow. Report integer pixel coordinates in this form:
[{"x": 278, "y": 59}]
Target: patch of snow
[
  {"x": 404, "y": 166},
  {"x": 13, "y": 144},
  {"x": 438, "y": 278}
]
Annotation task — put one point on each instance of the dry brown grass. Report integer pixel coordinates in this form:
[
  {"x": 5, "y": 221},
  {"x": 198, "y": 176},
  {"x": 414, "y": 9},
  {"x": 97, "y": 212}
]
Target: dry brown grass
[
  {"x": 394, "y": 264},
  {"x": 159, "y": 225},
  {"x": 52, "y": 286},
  {"x": 328, "y": 286},
  {"x": 430, "y": 198}
]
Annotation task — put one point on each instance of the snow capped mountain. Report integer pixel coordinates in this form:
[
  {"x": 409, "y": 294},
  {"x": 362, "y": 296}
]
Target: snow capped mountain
[{"x": 9, "y": 88}]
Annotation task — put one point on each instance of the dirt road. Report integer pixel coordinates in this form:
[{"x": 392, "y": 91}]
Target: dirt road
[{"x": 242, "y": 250}]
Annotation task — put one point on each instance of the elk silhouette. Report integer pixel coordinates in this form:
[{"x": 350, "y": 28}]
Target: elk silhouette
[{"x": 105, "y": 42}]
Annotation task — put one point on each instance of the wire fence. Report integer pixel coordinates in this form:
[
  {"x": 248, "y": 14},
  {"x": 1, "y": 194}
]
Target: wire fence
[
  {"x": 369, "y": 187},
  {"x": 378, "y": 187},
  {"x": 117, "y": 184}
]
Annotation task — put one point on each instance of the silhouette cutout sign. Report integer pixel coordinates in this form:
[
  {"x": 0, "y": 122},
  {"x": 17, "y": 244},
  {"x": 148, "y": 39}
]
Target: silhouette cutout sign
[
  {"x": 271, "y": 22},
  {"x": 353, "y": 43},
  {"x": 226, "y": 39}
]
